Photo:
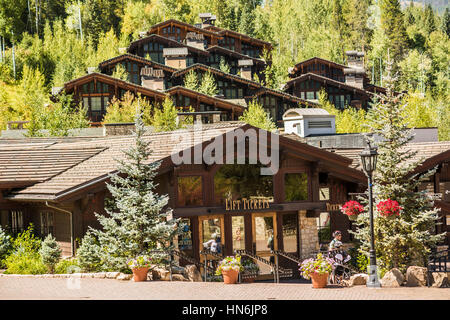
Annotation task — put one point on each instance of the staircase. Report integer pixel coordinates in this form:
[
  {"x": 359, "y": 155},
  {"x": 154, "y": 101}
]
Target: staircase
[{"x": 283, "y": 273}]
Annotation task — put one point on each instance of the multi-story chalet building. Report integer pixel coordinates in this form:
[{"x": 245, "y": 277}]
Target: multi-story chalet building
[
  {"x": 344, "y": 85},
  {"x": 158, "y": 62}
]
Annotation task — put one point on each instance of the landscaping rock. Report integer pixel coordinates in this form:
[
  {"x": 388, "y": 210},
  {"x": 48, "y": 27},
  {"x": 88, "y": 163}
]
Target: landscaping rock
[
  {"x": 393, "y": 278},
  {"x": 178, "y": 270},
  {"x": 159, "y": 273},
  {"x": 112, "y": 275},
  {"x": 124, "y": 276},
  {"x": 87, "y": 275},
  {"x": 193, "y": 274},
  {"x": 359, "y": 279},
  {"x": 100, "y": 275},
  {"x": 178, "y": 277},
  {"x": 440, "y": 280},
  {"x": 416, "y": 276}
]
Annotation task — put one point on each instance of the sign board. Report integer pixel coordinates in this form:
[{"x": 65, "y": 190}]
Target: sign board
[
  {"x": 247, "y": 204},
  {"x": 333, "y": 206}
]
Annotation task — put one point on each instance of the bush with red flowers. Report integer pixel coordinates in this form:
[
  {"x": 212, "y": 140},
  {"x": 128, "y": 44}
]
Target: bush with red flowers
[
  {"x": 389, "y": 208},
  {"x": 352, "y": 208}
]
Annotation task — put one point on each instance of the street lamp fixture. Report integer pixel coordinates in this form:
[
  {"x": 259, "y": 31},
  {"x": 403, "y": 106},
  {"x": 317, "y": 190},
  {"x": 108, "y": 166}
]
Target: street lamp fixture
[{"x": 369, "y": 164}]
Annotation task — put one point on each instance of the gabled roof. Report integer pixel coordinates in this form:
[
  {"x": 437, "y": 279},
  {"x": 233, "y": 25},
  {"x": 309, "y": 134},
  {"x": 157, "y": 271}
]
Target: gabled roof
[
  {"x": 185, "y": 25},
  {"x": 113, "y": 81},
  {"x": 94, "y": 171},
  {"x": 266, "y": 90},
  {"x": 317, "y": 59},
  {"x": 133, "y": 57},
  {"x": 309, "y": 75},
  {"x": 234, "y": 54},
  {"x": 170, "y": 42}
]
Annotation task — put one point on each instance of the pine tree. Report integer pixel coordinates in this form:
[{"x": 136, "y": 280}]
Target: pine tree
[
  {"x": 392, "y": 22},
  {"x": 50, "y": 253},
  {"x": 256, "y": 116},
  {"x": 191, "y": 80},
  {"x": 165, "y": 119},
  {"x": 407, "y": 239},
  {"x": 5, "y": 245},
  {"x": 445, "y": 27},
  {"x": 121, "y": 73},
  {"x": 429, "y": 20},
  {"x": 224, "y": 66},
  {"x": 208, "y": 85},
  {"x": 135, "y": 220},
  {"x": 89, "y": 253}
]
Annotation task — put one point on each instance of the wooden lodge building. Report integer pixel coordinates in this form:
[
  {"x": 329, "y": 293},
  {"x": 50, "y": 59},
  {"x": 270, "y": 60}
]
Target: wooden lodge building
[{"x": 58, "y": 183}]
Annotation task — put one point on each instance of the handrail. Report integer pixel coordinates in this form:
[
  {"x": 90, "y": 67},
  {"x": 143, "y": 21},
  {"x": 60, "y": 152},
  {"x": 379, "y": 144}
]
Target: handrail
[
  {"x": 287, "y": 255},
  {"x": 278, "y": 270},
  {"x": 438, "y": 262}
]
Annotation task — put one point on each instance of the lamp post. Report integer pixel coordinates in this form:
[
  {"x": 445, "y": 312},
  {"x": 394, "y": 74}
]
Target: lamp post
[{"x": 369, "y": 164}]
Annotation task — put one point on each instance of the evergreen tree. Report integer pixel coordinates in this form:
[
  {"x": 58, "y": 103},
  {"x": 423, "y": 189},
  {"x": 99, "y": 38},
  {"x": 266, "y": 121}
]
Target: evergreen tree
[
  {"x": 135, "y": 220},
  {"x": 166, "y": 119},
  {"x": 429, "y": 20},
  {"x": 120, "y": 72},
  {"x": 208, "y": 85},
  {"x": 5, "y": 245},
  {"x": 224, "y": 66},
  {"x": 392, "y": 23},
  {"x": 256, "y": 116},
  {"x": 445, "y": 26},
  {"x": 89, "y": 253},
  {"x": 191, "y": 80},
  {"x": 407, "y": 239},
  {"x": 50, "y": 252}
]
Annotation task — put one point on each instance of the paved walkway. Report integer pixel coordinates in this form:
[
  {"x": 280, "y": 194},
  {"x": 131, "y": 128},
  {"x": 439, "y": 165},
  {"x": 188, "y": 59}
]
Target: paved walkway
[{"x": 105, "y": 289}]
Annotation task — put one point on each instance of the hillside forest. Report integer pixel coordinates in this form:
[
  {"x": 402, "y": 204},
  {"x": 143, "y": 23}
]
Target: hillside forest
[{"x": 45, "y": 43}]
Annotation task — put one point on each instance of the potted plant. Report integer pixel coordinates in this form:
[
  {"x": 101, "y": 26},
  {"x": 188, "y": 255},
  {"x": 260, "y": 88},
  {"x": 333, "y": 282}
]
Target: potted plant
[
  {"x": 140, "y": 266},
  {"x": 229, "y": 269},
  {"x": 389, "y": 209},
  {"x": 317, "y": 270},
  {"x": 250, "y": 270},
  {"x": 352, "y": 209}
]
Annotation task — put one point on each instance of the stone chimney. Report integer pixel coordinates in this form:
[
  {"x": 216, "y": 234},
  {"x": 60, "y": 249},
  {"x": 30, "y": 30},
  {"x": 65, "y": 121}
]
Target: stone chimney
[
  {"x": 354, "y": 74},
  {"x": 207, "y": 19},
  {"x": 91, "y": 70},
  {"x": 196, "y": 40},
  {"x": 175, "y": 57},
  {"x": 245, "y": 66},
  {"x": 152, "y": 78}
]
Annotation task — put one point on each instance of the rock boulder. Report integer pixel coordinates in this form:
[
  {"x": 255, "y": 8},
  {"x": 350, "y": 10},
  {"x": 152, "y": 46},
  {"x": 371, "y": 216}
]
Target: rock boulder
[
  {"x": 359, "y": 279},
  {"x": 393, "y": 278},
  {"x": 193, "y": 274},
  {"x": 416, "y": 276},
  {"x": 440, "y": 280}
]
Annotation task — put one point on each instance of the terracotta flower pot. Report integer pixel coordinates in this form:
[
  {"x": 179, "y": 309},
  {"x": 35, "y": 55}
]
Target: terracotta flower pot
[
  {"x": 230, "y": 276},
  {"x": 140, "y": 274},
  {"x": 319, "y": 280}
]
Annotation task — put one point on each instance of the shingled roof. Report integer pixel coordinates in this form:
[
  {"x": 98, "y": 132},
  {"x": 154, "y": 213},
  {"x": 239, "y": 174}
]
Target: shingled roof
[
  {"x": 23, "y": 165},
  {"x": 96, "y": 168}
]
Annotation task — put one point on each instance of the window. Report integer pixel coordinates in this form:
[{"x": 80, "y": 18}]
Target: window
[
  {"x": 190, "y": 191},
  {"x": 185, "y": 239},
  {"x": 211, "y": 229},
  {"x": 237, "y": 181},
  {"x": 310, "y": 95},
  {"x": 324, "y": 227},
  {"x": 319, "y": 124},
  {"x": 238, "y": 231},
  {"x": 16, "y": 221},
  {"x": 289, "y": 227},
  {"x": 46, "y": 223},
  {"x": 96, "y": 103},
  {"x": 295, "y": 187}
]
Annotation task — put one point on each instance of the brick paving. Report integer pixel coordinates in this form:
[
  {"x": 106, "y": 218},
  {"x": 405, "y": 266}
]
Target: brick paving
[{"x": 29, "y": 288}]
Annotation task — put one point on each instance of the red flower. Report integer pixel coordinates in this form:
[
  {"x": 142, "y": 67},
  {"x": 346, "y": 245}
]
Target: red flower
[
  {"x": 352, "y": 208},
  {"x": 388, "y": 208}
]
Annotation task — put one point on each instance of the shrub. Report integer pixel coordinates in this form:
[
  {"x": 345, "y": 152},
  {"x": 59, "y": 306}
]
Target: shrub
[
  {"x": 50, "y": 253},
  {"x": 88, "y": 254},
  {"x": 67, "y": 266},
  {"x": 24, "y": 263},
  {"x": 362, "y": 262},
  {"x": 25, "y": 258},
  {"x": 5, "y": 245}
]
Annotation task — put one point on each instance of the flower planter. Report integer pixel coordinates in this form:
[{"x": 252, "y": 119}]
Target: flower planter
[
  {"x": 391, "y": 217},
  {"x": 140, "y": 274},
  {"x": 230, "y": 276},
  {"x": 319, "y": 280},
  {"x": 353, "y": 217}
]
